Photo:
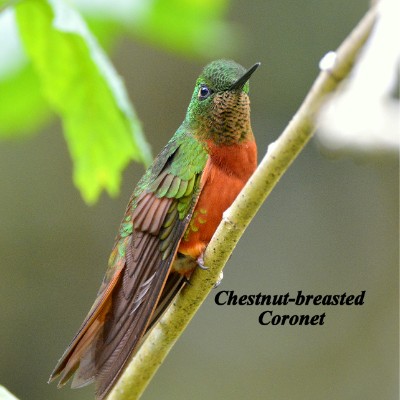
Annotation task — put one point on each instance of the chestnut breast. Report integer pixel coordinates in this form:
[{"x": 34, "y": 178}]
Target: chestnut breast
[{"x": 227, "y": 170}]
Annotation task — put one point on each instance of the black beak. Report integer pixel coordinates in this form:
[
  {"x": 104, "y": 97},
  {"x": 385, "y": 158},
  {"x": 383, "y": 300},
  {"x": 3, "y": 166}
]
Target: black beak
[{"x": 244, "y": 78}]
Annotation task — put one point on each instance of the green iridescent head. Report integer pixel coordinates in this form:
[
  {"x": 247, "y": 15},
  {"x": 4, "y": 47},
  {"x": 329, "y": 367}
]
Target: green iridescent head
[{"x": 221, "y": 91}]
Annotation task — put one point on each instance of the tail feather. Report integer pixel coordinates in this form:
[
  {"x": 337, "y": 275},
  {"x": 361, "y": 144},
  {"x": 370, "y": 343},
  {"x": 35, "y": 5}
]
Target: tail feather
[
  {"x": 84, "y": 343},
  {"x": 81, "y": 359}
]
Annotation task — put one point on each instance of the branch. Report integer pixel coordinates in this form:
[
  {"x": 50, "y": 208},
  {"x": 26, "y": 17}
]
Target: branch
[{"x": 335, "y": 67}]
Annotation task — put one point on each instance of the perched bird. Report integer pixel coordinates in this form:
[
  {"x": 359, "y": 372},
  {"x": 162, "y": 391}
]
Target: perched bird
[{"x": 171, "y": 217}]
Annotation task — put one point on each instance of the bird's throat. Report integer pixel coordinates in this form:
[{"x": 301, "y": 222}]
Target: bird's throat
[{"x": 228, "y": 122}]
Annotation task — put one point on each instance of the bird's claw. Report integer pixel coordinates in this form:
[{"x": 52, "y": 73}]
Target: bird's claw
[
  {"x": 200, "y": 262},
  {"x": 221, "y": 276}
]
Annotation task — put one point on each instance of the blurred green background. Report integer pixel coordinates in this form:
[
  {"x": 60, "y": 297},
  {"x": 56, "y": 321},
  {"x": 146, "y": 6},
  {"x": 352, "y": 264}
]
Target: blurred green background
[{"x": 330, "y": 226}]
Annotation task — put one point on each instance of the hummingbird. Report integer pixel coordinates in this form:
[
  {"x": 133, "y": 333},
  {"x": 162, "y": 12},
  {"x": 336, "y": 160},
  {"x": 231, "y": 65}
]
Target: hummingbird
[{"x": 170, "y": 218}]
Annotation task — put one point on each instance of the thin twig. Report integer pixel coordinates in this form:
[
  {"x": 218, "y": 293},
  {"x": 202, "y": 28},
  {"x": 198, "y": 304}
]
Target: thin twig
[{"x": 279, "y": 157}]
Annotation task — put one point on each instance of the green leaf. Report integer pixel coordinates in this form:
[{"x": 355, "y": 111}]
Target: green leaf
[
  {"x": 4, "y": 4},
  {"x": 5, "y": 394},
  {"x": 100, "y": 125},
  {"x": 23, "y": 108}
]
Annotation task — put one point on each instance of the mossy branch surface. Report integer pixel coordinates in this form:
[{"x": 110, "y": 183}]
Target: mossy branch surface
[{"x": 279, "y": 157}]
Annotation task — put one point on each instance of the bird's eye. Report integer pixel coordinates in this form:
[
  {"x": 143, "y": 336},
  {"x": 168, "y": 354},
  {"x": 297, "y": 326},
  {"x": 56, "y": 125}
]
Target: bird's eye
[{"x": 204, "y": 92}]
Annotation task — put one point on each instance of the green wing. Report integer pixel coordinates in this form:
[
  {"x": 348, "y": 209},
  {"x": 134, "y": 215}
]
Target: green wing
[{"x": 155, "y": 221}]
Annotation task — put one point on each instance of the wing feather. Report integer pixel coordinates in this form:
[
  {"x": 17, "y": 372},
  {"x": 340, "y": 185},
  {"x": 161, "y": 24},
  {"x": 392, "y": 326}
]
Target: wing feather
[
  {"x": 138, "y": 285},
  {"x": 148, "y": 263}
]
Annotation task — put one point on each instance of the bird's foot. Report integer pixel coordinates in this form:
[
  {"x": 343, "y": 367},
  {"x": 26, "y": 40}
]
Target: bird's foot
[{"x": 200, "y": 262}]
